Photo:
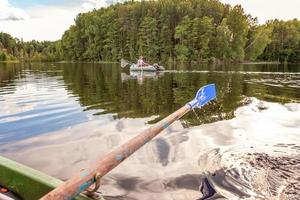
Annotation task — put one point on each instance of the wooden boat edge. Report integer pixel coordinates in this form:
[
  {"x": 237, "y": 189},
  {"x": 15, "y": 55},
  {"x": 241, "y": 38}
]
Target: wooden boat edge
[{"x": 27, "y": 182}]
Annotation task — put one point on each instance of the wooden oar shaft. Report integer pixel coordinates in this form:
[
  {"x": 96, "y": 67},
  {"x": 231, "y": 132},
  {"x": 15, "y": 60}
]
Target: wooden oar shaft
[{"x": 85, "y": 177}]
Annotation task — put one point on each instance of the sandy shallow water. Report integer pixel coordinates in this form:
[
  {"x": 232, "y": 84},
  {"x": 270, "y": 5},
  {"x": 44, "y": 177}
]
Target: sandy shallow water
[{"x": 255, "y": 155}]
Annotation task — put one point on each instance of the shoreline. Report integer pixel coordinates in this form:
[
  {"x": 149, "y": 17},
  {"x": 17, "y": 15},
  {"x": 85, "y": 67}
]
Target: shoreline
[
  {"x": 264, "y": 63},
  {"x": 115, "y": 62},
  {"x": 101, "y": 62}
]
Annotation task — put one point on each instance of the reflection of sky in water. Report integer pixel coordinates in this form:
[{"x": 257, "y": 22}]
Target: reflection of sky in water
[{"x": 37, "y": 106}]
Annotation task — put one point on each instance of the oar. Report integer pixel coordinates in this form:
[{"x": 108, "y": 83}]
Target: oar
[{"x": 83, "y": 179}]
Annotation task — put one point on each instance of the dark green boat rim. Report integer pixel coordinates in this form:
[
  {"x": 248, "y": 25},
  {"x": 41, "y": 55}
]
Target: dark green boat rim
[{"x": 29, "y": 183}]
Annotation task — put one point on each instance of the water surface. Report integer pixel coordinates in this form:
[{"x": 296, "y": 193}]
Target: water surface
[{"x": 57, "y": 118}]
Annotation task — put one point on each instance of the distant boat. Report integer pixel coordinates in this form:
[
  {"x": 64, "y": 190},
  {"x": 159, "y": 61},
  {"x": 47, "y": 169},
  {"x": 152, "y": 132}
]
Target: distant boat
[
  {"x": 148, "y": 68},
  {"x": 135, "y": 67}
]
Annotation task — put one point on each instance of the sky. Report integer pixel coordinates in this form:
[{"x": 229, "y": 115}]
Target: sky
[{"x": 48, "y": 19}]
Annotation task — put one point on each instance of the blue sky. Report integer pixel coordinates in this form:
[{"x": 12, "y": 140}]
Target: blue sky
[
  {"x": 48, "y": 19},
  {"x": 29, "y": 3}
]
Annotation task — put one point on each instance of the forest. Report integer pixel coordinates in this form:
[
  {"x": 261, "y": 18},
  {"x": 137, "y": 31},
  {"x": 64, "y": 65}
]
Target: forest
[
  {"x": 12, "y": 49},
  {"x": 165, "y": 31}
]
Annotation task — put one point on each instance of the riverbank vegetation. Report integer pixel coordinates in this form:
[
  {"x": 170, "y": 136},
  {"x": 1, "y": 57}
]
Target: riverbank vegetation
[
  {"x": 165, "y": 30},
  {"x": 13, "y": 49}
]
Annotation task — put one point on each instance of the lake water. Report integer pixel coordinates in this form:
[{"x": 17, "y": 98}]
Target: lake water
[{"x": 57, "y": 118}]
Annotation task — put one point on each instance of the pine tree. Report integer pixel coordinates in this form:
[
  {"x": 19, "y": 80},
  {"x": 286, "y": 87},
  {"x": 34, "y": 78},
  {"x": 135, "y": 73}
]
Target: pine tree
[
  {"x": 201, "y": 35},
  {"x": 182, "y": 33},
  {"x": 148, "y": 38}
]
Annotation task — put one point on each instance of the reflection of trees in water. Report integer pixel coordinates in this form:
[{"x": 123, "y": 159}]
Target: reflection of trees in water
[
  {"x": 100, "y": 88},
  {"x": 281, "y": 88},
  {"x": 8, "y": 73}
]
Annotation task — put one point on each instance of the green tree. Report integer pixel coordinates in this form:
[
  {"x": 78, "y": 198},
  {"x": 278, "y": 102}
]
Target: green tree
[
  {"x": 285, "y": 41},
  {"x": 165, "y": 43},
  {"x": 238, "y": 24},
  {"x": 200, "y": 36},
  {"x": 3, "y": 56},
  {"x": 221, "y": 42},
  {"x": 148, "y": 38},
  {"x": 259, "y": 38},
  {"x": 182, "y": 33}
]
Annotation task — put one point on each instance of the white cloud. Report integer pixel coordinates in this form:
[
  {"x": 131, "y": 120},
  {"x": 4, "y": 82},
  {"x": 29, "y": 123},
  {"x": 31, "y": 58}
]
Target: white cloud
[
  {"x": 8, "y": 12},
  {"x": 91, "y": 4},
  {"x": 43, "y": 22},
  {"x": 269, "y": 9}
]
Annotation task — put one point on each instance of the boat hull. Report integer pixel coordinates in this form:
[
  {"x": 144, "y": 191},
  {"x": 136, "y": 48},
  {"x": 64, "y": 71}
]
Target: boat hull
[
  {"x": 26, "y": 182},
  {"x": 149, "y": 68}
]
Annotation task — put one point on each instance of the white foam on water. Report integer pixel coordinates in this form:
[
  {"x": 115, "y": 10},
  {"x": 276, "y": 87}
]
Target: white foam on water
[{"x": 263, "y": 131}]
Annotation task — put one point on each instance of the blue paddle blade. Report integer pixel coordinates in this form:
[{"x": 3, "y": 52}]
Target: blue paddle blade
[{"x": 204, "y": 95}]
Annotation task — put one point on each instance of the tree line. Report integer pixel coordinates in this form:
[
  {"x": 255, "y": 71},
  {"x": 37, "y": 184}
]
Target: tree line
[
  {"x": 166, "y": 30},
  {"x": 14, "y": 49}
]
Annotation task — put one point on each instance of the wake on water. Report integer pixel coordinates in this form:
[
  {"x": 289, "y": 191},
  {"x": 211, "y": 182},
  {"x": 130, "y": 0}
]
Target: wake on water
[{"x": 263, "y": 161}]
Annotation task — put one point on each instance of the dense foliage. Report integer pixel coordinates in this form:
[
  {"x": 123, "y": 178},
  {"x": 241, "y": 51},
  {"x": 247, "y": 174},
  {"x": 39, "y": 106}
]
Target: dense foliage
[
  {"x": 190, "y": 30},
  {"x": 284, "y": 41},
  {"x": 15, "y": 49},
  {"x": 166, "y": 30}
]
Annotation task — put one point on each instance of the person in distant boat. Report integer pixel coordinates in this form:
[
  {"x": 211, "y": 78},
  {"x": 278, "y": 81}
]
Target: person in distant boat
[{"x": 141, "y": 62}]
